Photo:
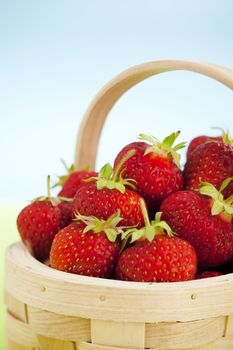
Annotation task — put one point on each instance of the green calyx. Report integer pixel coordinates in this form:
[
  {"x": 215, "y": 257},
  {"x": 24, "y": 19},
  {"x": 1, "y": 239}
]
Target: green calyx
[
  {"x": 219, "y": 203},
  {"x": 54, "y": 200},
  {"x": 62, "y": 178},
  {"x": 69, "y": 170},
  {"x": 109, "y": 226},
  {"x": 227, "y": 138},
  {"x": 225, "y": 135},
  {"x": 151, "y": 229},
  {"x": 165, "y": 147},
  {"x": 107, "y": 178}
]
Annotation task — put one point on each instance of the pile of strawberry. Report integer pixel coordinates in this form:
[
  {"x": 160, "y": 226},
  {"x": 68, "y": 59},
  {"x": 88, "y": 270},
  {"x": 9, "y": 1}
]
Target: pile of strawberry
[{"x": 144, "y": 219}]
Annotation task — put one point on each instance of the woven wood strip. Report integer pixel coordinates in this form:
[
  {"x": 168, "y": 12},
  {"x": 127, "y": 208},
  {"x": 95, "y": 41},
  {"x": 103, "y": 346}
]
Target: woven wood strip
[{"x": 59, "y": 326}]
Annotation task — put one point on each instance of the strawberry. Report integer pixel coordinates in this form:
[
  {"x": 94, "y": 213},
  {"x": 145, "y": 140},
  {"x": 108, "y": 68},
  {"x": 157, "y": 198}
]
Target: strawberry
[
  {"x": 157, "y": 256},
  {"x": 208, "y": 274},
  {"x": 204, "y": 220},
  {"x": 197, "y": 141},
  {"x": 211, "y": 162},
  {"x": 108, "y": 194},
  {"x": 154, "y": 167},
  {"x": 39, "y": 222},
  {"x": 73, "y": 181},
  {"x": 88, "y": 247},
  {"x": 66, "y": 209}
]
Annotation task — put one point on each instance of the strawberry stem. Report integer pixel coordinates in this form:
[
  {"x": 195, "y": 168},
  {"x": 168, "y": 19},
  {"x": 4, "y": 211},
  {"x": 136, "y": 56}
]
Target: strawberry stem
[
  {"x": 229, "y": 200},
  {"x": 62, "y": 178},
  {"x": 144, "y": 212},
  {"x": 86, "y": 167},
  {"x": 118, "y": 169},
  {"x": 225, "y": 135},
  {"x": 65, "y": 166},
  {"x": 48, "y": 187}
]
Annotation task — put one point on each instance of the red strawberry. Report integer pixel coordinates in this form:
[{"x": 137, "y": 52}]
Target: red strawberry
[
  {"x": 73, "y": 181},
  {"x": 155, "y": 167},
  {"x": 87, "y": 247},
  {"x": 38, "y": 223},
  {"x": 107, "y": 195},
  {"x": 208, "y": 274},
  {"x": 197, "y": 141},
  {"x": 157, "y": 256},
  {"x": 205, "y": 222},
  {"x": 66, "y": 209},
  {"x": 211, "y": 162}
]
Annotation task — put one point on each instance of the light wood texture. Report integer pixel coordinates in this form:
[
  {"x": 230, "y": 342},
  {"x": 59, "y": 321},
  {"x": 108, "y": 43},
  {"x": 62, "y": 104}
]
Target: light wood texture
[
  {"x": 11, "y": 345},
  {"x": 223, "y": 344},
  {"x": 59, "y": 326},
  {"x": 94, "y": 118},
  {"x": 20, "y": 332},
  {"x": 184, "y": 335},
  {"x": 120, "y": 334},
  {"x": 211, "y": 346},
  {"x": 74, "y": 295},
  {"x": 16, "y": 307},
  {"x": 88, "y": 346},
  {"x": 229, "y": 327},
  {"x": 54, "y": 344}
]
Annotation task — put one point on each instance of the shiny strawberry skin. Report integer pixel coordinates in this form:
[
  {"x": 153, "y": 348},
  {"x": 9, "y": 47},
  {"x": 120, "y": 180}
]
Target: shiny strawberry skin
[
  {"x": 103, "y": 203},
  {"x": 38, "y": 224},
  {"x": 131, "y": 165},
  {"x": 74, "y": 181},
  {"x": 156, "y": 176},
  {"x": 165, "y": 259},
  {"x": 211, "y": 162},
  {"x": 199, "y": 140},
  {"x": 189, "y": 215},
  {"x": 66, "y": 209},
  {"x": 89, "y": 254}
]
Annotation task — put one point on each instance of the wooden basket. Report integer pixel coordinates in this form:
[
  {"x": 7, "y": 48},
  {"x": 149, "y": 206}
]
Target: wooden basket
[{"x": 53, "y": 310}]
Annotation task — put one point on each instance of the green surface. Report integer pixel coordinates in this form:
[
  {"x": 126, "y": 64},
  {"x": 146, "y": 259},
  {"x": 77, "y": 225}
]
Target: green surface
[{"x": 8, "y": 214}]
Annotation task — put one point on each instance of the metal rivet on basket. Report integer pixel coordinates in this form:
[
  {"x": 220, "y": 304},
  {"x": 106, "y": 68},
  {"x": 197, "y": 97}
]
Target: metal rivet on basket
[
  {"x": 194, "y": 296},
  {"x": 102, "y": 298}
]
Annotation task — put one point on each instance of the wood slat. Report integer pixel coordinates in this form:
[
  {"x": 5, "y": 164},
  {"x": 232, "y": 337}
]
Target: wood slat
[
  {"x": 11, "y": 345},
  {"x": 182, "y": 335},
  {"x": 47, "y": 343},
  {"x": 20, "y": 332},
  {"x": 89, "y": 346},
  {"x": 229, "y": 327},
  {"x": 59, "y": 326},
  {"x": 210, "y": 346},
  {"x": 223, "y": 344},
  {"x": 118, "y": 334},
  {"x": 16, "y": 307}
]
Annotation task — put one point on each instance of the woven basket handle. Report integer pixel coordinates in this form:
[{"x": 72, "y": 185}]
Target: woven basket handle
[{"x": 94, "y": 118}]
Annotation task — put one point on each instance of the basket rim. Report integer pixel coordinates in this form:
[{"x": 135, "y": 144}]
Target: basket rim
[
  {"x": 80, "y": 279},
  {"x": 38, "y": 285}
]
